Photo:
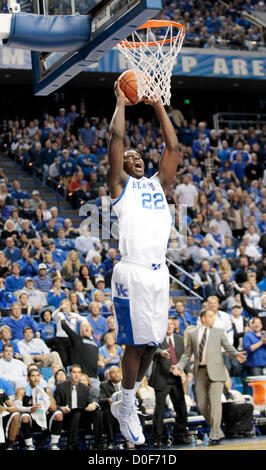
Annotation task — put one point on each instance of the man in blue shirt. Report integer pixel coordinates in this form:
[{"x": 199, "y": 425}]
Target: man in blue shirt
[
  {"x": 11, "y": 251},
  {"x": 28, "y": 266},
  {"x": 63, "y": 243},
  {"x": 87, "y": 161},
  {"x": 225, "y": 152},
  {"x": 238, "y": 168},
  {"x": 43, "y": 281},
  {"x": 97, "y": 322},
  {"x": 67, "y": 167},
  {"x": 228, "y": 251},
  {"x": 183, "y": 316},
  {"x": 18, "y": 322},
  {"x": 15, "y": 281},
  {"x": 255, "y": 345}
]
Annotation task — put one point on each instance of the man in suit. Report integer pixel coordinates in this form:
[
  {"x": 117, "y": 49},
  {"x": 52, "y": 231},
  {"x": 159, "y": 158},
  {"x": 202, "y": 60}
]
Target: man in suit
[
  {"x": 73, "y": 398},
  {"x": 206, "y": 343},
  {"x": 107, "y": 388},
  {"x": 165, "y": 382}
]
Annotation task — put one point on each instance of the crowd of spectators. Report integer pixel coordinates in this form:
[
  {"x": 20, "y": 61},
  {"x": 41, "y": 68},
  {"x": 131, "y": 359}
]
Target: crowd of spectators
[
  {"x": 55, "y": 297},
  {"x": 208, "y": 24}
]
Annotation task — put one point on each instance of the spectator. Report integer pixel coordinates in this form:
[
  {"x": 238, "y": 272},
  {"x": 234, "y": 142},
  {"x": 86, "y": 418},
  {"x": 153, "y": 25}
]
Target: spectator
[
  {"x": 62, "y": 343},
  {"x": 35, "y": 351},
  {"x": 28, "y": 266},
  {"x": 110, "y": 354},
  {"x": 107, "y": 388},
  {"x": 78, "y": 409},
  {"x": 11, "y": 369},
  {"x": 84, "y": 277},
  {"x": 14, "y": 282},
  {"x": 43, "y": 281},
  {"x": 183, "y": 316},
  {"x": 85, "y": 351},
  {"x": 85, "y": 242},
  {"x": 11, "y": 251},
  {"x": 26, "y": 308},
  {"x": 206, "y": 280},
  {"x": 71, "y": 267},
  {"x": 164, "y": 381},
  {"x": 17, "y": 322},
  {"x": 255, "y": 345},
  {"x": 96, "y": 268},
  {"x": 36, "y": 298},
  {"x": 56, "y": 294},
  {"x": 97, "y": 322},
  {"x": 6, "y": 338},
  {"x": 47, "y": 327},
  {"x": 186, "y": 193}
]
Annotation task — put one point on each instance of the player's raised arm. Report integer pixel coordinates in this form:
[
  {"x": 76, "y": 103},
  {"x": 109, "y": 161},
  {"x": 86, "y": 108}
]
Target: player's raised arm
[
  {"x": 169, "y": 158},
  {"x": 116, "y": 176}
]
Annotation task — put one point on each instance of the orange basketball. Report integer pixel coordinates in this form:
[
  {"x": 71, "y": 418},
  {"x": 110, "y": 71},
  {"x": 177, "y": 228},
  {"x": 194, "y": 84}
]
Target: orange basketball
[{"x": 129, "y": 86}]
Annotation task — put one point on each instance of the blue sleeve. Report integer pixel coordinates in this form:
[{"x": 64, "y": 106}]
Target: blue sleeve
[
  {"x": 247, "y": 343},
  {"x": 33, "y": 324}
]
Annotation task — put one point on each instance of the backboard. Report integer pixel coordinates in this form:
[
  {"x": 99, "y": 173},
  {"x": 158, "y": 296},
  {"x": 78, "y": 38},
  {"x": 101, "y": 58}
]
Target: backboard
[{"x": 111, "y": 21}]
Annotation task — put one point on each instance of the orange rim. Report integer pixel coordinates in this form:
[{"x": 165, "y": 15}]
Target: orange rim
[{"x": 155, "y": 24}]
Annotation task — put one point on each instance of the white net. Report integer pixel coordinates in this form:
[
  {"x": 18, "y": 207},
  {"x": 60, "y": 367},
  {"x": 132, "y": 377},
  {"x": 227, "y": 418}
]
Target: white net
[{"x": 153, "y": 60}]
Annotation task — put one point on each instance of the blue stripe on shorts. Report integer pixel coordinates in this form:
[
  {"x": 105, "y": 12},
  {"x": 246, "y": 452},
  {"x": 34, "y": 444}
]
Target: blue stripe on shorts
[{"x": 122, "y": 310}]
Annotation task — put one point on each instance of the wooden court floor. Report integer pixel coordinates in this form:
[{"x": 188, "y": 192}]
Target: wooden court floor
[{"x": 255, "y": 443}]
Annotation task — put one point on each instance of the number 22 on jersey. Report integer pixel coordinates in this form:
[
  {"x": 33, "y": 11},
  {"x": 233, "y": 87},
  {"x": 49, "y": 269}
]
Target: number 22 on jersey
[{"x": 153, "y": 201}]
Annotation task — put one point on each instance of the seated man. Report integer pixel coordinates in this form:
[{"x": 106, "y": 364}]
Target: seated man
[
  {"x": 5, "y": 338},
  {"x": 79, "y": 411},
  {"x": 10, "y": 419},
  {"x": 14, "y": 282},
  {"x": 35, "y": 351},
  {"x": 17, "y": 321},
  {"x": 11, "y": 369},
  {"x": 97, "y": 322},
  {"x": 37, "y": 298},
  {"x": 107, "y": 388},
  {"x": 39, "y": 411}
]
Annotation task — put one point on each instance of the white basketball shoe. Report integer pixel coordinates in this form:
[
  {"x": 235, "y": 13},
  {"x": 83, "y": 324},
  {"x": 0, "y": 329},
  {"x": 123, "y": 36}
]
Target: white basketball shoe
[{"x": 129, "y": 423}]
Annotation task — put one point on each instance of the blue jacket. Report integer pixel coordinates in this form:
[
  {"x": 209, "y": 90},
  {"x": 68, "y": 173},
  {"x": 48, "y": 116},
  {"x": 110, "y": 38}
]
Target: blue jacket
[
  {"x": 17, "y": 326},
  {"x": 13, "y": 283}
]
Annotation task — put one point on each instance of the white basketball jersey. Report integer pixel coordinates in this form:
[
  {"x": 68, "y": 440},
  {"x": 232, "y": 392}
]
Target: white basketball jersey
[{"x": 144, "y": 220}]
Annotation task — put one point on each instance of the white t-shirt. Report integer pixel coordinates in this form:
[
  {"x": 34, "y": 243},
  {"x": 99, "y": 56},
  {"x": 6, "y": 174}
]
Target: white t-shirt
[{"x": 186, "y": 194}]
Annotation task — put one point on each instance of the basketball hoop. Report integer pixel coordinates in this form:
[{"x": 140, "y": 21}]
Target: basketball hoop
[{"x": 153, "y": 59}]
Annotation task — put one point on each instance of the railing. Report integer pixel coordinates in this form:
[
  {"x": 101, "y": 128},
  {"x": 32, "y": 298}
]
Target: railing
[{"x": 234, "y": 120}]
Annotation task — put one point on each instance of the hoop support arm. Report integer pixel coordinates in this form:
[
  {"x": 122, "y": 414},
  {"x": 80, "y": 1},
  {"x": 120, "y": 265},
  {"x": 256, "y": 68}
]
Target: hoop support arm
[{"x": 53, "y": 33}]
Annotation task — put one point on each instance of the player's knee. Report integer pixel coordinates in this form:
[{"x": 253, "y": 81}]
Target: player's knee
[{"x": 25, "y": 419}]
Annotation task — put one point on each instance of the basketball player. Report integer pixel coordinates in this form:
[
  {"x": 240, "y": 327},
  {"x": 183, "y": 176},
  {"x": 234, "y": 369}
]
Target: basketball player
[{"x": 140, "y": 281}]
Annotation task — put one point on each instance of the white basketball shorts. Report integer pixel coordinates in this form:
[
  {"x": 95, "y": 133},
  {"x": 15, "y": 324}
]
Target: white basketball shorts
[{"x": 141, "y": 302}]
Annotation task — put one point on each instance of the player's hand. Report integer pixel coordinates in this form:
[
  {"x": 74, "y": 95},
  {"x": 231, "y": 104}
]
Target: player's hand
[{"x": 120, "y": 94}]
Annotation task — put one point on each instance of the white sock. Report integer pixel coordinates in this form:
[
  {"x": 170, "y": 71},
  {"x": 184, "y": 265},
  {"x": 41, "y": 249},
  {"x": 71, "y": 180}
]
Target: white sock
[
  {"x": 54, "y": 438},
  {"x": 29, "y": 442},
  {"x": 128, "y": 398},
  {"x": 137, "y": 385}
]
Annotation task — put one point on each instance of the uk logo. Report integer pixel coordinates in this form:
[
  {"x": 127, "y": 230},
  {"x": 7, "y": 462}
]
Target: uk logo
[
  {"x": 155, "y": 266},
  {"x": 121, "y": 290}
]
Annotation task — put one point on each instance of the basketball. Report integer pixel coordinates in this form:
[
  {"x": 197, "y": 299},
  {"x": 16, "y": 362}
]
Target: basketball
[{"x": 129, "y": 85}]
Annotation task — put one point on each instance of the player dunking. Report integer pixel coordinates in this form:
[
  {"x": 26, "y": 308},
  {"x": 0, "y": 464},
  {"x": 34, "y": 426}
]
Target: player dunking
[{"x": 140, "y": 281}]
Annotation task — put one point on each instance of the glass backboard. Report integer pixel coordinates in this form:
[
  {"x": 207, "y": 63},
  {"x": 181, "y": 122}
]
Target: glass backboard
[{"x": 111, "y": 21}]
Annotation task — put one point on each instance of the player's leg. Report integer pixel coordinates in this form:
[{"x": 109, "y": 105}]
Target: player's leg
[{"x": 11, "y": 427}]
